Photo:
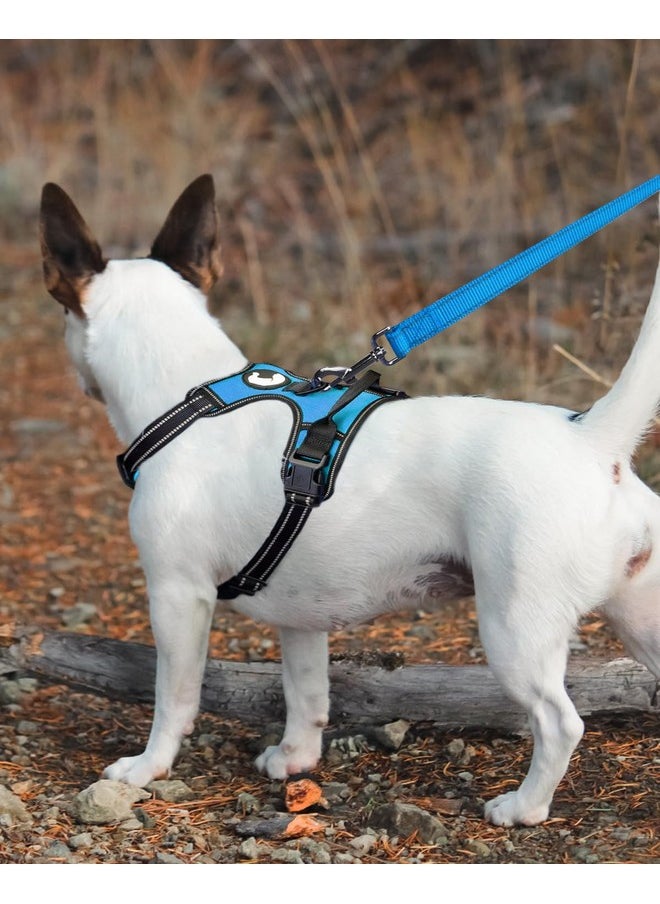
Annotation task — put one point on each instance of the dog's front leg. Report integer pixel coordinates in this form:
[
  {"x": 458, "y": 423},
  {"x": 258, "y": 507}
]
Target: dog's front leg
[
  {"x": 306, "y": 692},
  {"x": 181, "y": 624}
]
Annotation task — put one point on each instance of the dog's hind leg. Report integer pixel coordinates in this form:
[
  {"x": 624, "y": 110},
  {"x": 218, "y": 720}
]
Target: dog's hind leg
[
  {"x": 306, "y": 692},
  {"x": 181, "y": 620},
  {"x": 530, "y": 665},
  {"x": 635, "y": 617}
]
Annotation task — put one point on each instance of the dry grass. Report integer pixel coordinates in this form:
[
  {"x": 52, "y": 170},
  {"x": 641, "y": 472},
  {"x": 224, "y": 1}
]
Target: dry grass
[{"x": 358, "y": 181}]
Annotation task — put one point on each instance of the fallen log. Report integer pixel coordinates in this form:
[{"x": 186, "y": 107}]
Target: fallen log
[{"x": 449, "y": 696}]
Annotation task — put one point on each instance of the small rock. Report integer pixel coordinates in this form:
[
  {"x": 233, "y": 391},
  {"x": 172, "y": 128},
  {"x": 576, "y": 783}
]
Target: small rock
[
  {"x": 460, "y": 752},
  {"x": 333, "y": 757},
  {"x": 247, "y": 804},
  {"x": 6, "y": 495},
  {"x": 391, "y": 736},
  {"x": 466, "y": 777},
  {"x": 621, "y": 834},
  {"x": 248, "y": 849},
  {"x": 148, "y": 822},
  {"x": 336, "y": 792},
  {"x": 51, "y": 815},
  {"x": 404, "y": 819},
  {"x": 316, "y": 851},
  {"x": 584, "y": 854},
  {"x": 79, "y": 614},
  {"x": 285, "y": 855},
  {"x": 345, "y": 858},
  {"x": 57, "y": 851},
  {"x": 25, "y": 727},
  {"x": 37, "y": 425},
  {"x": 174, "y": 791},
  {"x": 480, "y": 848},
  {"x": 131, "y": 825},
  {"x": 421, "y": 632},
  {"x": 12, "y": 808},
  {"x": 446, "y": 806},
  {"x": 362, "y": 844},
  {"x": 107, "y": 802},
  {"x": 455, "y": 748},
  {"x": 82, "y": 840},
  {"x": 162, "y": 857},
  {"x": 10, "y": 692}
]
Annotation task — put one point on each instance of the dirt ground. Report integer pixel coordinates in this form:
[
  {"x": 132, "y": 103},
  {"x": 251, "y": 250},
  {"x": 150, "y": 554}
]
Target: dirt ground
[{"x": 64, "y": 543}]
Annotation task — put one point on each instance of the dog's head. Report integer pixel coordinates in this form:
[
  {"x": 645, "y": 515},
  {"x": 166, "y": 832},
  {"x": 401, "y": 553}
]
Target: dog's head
[{"x": 72, "y": 258}]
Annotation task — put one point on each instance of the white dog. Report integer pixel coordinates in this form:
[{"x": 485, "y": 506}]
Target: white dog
[{"x": 542, "y": 507}]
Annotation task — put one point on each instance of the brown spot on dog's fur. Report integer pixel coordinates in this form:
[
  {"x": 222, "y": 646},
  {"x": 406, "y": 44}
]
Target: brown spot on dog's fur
[
  {"x": 616, "y": 472},
  {"x": 638, "y": 562},
  {"x": 450, "y": 580}
]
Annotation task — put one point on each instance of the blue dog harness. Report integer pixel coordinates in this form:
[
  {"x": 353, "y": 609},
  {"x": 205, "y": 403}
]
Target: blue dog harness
[{"x": 325, "y": 422}]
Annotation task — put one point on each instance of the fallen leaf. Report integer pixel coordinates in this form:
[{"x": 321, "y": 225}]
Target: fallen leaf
[
  {"x": 302, "y": 825},
  {"x": 302, "y": 794}
]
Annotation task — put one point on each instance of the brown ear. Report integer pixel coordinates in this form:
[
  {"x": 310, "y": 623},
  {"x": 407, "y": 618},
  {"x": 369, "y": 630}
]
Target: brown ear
[
  {"x": 188, "y": 241},
  {"x": 71, "y": 255}
]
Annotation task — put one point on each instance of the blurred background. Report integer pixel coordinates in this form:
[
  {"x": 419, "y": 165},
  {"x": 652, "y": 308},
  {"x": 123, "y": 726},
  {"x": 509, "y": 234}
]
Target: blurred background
[{"x": 358, "y": 181}]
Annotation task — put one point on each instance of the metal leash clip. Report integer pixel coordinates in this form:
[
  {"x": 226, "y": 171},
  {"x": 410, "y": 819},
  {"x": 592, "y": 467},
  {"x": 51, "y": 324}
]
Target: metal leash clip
[{"x": 327, "y": 377}]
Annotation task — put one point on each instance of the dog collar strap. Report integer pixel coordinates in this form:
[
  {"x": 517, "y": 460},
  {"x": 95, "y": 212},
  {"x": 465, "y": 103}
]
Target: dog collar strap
[{"x": 197, "y": 403}]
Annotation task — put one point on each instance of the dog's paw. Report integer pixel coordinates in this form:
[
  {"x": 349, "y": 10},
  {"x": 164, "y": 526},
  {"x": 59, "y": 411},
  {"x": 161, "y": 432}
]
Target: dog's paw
[
  {"x": 284, "y": 760},
  {"x": 136, "y": 770},
  {"x": 509, "y": 810}
]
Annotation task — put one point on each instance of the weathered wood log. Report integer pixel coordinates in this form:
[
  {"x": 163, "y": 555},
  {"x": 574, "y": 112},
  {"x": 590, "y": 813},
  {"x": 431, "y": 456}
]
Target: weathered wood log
[{"x": 450, "y": 696}]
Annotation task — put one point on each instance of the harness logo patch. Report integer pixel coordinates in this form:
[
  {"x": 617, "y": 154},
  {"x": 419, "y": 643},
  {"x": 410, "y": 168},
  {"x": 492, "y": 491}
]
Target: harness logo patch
[{"x": 265, "y": 379}]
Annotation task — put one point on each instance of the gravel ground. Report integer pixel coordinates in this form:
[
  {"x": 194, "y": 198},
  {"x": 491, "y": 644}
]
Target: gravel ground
[{"x": 420, "y": 803}]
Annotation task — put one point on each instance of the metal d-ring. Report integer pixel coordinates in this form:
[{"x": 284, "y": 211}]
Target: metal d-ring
[{"x": 327, "y": 377}]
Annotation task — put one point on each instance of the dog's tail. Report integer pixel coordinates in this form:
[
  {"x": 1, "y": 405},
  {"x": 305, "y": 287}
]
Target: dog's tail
[{"x": 619, "y": 420}]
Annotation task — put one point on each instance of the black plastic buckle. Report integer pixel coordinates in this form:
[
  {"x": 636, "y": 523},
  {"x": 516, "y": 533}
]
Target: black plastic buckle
[
  {"x": 301, "y": 480},
  {"x": 241, "y": 583}
]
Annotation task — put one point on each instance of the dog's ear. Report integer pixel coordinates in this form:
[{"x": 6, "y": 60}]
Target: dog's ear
[
  {"x": 71, "y": 256},
  {"x": 188, "y": 241}
]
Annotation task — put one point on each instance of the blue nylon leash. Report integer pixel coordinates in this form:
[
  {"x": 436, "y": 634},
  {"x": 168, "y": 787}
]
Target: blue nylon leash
[{"x": 451, "y": 308}]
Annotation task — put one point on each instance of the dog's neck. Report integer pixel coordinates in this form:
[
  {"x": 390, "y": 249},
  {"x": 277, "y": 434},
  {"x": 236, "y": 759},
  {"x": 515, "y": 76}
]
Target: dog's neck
[{"x": 149, "y": 340}]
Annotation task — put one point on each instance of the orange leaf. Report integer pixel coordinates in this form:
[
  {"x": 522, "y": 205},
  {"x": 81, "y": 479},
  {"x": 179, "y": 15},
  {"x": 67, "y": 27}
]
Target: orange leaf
[
  {"x": 303, "y": 794},
  {"x": 302, "y": 825}
]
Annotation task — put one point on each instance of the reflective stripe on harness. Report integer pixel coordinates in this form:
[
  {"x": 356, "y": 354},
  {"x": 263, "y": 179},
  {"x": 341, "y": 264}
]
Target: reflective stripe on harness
[{"x": 325, "y": 421}]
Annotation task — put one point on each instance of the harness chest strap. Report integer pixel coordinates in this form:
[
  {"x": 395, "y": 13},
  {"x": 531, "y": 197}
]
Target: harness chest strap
[{"x": 324, "y": 424}]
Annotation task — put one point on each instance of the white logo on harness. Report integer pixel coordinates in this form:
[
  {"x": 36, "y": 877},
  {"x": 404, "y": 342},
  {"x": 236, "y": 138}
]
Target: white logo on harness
[{"x": 265, "y": 379}]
